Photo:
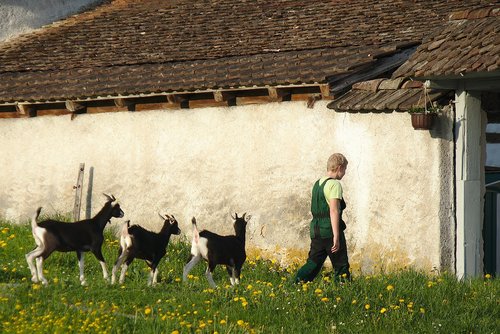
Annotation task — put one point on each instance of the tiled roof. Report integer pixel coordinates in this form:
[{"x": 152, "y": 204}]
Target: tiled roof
[
  {"x": 140, "y": 46},
  {"x": 398, "y": 94},
  {"x": 469, "y": 43}
]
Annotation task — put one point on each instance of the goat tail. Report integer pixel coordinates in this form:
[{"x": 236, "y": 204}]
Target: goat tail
[
  {"x": 196, "y": 234},
  {"x": 34, "y": 223}
]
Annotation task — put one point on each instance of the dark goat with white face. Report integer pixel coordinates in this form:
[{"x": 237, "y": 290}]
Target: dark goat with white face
[
  {"x": 217, "y": 249},
  {"x": 81, "y": 236},
  {"x": 137, "y": 242}
]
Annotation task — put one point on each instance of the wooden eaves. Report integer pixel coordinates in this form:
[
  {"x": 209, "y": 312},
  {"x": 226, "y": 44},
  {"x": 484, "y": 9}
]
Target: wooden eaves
[{"x": 168, "y": 100}]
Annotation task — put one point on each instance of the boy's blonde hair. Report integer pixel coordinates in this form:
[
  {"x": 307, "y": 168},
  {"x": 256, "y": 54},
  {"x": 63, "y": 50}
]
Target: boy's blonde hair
[{"x": 335, "y": 160}]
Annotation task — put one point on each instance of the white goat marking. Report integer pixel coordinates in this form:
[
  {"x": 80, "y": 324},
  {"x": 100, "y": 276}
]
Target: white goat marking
[{"x": 202, "y": 247}]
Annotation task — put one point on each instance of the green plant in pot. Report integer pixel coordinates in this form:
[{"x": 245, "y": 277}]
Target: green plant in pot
[{"x": 422, "y": 117}]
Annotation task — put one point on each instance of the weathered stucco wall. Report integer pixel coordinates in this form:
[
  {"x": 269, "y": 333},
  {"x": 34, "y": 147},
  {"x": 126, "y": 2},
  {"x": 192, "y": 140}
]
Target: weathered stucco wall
[
  {"x": 260, "y": 159},
  {"x": 21, "y": 16}
]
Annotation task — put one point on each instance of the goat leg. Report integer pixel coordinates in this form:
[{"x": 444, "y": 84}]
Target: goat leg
[
  {"x": 189, "y": 266},
  {"x": 210, "y": 279},
  {"x": 80, "y": 266},
  {"x": 118, "y": 263},
  {"x": 98, "y": 254},
  {"x": 39, "y": 269}
]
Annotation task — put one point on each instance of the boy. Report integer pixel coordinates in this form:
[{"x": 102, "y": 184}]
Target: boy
[{"x": 327, "y": 227}]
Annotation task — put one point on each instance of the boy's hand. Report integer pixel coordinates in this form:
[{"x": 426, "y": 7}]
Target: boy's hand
[{"x": 336, "y": 244}]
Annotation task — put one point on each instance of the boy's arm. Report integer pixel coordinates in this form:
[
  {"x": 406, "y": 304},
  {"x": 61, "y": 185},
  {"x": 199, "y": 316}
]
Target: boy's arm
[{"x": 334, "y": 204}]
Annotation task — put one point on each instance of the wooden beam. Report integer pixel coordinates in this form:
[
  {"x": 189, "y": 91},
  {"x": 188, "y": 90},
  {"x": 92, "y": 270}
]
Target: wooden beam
[
  {"x": 155, "y": 106},
  {"x": 26, "y": 110},
  {"x": 74, "y": 106},
  {"x": 325, "y": 92},
  {"x": 206, "y": 103},
  {"x": 129, "y": 104},
  {"x": 104, "y": 109},
  {"x": 312, "y": 100},
  {"x": 279, "y": 94},
  {"x": 245, "y": 100},
  {"x": 54, "y": 112},
  {"x": 9, "y": 114}
]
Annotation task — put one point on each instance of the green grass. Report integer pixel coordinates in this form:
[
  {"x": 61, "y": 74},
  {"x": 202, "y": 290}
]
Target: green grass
[{"x": 266, "y": 301}]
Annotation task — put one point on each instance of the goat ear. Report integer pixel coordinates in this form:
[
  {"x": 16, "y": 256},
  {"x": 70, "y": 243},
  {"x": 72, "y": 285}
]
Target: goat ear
[
  {"x": 243, "y": 217},
  {"x": 248, "y": 218}
]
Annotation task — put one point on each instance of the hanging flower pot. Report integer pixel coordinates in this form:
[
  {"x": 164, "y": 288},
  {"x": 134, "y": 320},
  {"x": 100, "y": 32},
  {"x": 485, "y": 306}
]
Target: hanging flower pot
[
  {"x": 422, "y": 120},
  {"x": 423, "y": 115}
]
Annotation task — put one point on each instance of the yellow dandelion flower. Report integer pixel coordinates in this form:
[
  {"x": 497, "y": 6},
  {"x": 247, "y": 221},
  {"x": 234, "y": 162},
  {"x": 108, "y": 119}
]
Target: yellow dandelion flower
[
  {"x": 367, "y": 306},
  {"x": 487, "y": 276},
  {"x": 401, "y": 300},
  {"x": 222, "y": 322},
  {"x": 383, "y": 310},
  {"x": 240, "y": 322},
  {"x": 244, "y": 304},
  {"x": 338, "y": 299},
  {"x": 325, "y": 299},
  {"x": 272, "y": 295},
  {"x": 236, "y": 299},
  {"x": 318, "y": 291},
  {"x": 354, "y": 301},
  {"x": 177, "y": 279},
  {"x": 390, "y": 287},
  {"x": 147, "y": 310},
  {"x": 249, "y": 287},
  {"x": 175, "y": 332},
  {"x": 422, "y": 310}
]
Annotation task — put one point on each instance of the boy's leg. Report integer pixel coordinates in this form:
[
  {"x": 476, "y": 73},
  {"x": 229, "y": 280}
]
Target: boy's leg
[
  {"x": 316, "y": 258},
  {"x": 340, "y": 262}
]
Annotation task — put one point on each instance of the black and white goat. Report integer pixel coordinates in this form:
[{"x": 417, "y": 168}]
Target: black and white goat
[
  {"x": 137, "y": 242},
  {"x": 81, "y": 236},
  {"x": 217, "y": 249}
]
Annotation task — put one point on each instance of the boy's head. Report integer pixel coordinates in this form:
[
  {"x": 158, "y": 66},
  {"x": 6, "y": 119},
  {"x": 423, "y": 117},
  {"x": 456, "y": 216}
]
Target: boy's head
[{"x": 335, "y": 161}]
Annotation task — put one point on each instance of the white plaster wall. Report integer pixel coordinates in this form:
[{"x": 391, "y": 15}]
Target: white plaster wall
[
  {"x": 21, "y": 16},
  {"x": 260, "y": 159}
]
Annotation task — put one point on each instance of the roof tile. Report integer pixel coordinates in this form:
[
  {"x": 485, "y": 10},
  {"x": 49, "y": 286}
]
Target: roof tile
[
  {"x": 473, "y": 36},
  {"x": 136, "y": 46}
]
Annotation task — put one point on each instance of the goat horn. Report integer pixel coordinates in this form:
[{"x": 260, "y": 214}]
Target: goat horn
[
  {"x": 234, "y": 216},
  {"x": 109, "y": 197},
  {"x": 162, "y": 218}
]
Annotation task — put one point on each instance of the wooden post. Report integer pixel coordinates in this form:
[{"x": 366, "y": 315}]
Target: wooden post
[
  {"x": 469, "y": 187},
  {"x": 78, "y": 193}
]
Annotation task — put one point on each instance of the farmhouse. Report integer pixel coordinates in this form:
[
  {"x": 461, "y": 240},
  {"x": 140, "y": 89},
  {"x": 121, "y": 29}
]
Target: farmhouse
[{"x": 208, "y": 108}]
